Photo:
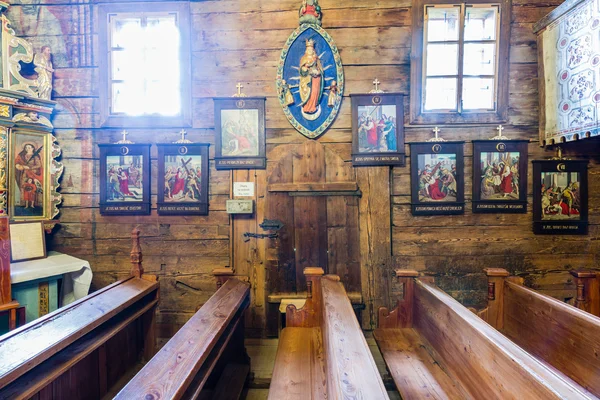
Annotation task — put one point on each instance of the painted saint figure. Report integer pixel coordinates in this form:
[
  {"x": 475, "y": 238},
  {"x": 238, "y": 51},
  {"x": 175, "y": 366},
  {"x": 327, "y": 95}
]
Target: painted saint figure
[
  {"x": 311, "y": 82},
  {"x": 29, "y": 166},
  {"x": 43, "y": 67}
]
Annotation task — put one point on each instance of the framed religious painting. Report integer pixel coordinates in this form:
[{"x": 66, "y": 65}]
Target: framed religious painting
[
  {"x": 30, "y": 170},
  {"x": 124, "y": 179},
  {"x": 377, "y": 129},
  {"x": 240, "y": 133},
  {"x": 500, "y": 176},
  {"x": 183, "y": 179},
  {"x": 560, "y": 197},
  {"x": 437, "y": 178}
]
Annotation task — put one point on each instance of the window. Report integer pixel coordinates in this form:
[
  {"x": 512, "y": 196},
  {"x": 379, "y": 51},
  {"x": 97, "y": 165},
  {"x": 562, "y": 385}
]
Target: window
[
  {"x": 145, "y": 65},
  {"x": 459, "y": 66}
]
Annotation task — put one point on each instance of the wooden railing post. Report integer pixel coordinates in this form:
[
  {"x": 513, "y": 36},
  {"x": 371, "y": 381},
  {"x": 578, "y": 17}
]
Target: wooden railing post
[
  {"x": 310, "y": 315},
  {"x": 402, "y": 315},
  {"x": 588, "y": 291},
  {"x": 496, "y": 279},
  {"x": 222, "y": 275},
  {"x": 137, "y": 269}
]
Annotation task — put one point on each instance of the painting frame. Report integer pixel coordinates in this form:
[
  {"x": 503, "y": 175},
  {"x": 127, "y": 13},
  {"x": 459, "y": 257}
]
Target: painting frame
[
  {"x": 548, "y": 214},
  {"x": 498, "y": 177},
  {"x": 35, "y": 229},
  {"x": 43, "y": 157},
  {"x": 361, "y": 158},
  {"x": 188, "y": 204},
  {"x": 125, "y": 152},
  {"x": 438, "y": 190},
  {"x": 224, "y": 157}
]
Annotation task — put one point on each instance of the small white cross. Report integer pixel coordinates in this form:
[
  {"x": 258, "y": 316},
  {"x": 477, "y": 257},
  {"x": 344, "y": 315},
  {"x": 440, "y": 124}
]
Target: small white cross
[
  {"x": 436, "y": 130},
  {"x": 376, "y": 83},
  {"x": 124, "y": 133},
  {"x": 500, "y": 128},
  {"x": 183, "y": 133},
  {"x": 239, "y": 87}
]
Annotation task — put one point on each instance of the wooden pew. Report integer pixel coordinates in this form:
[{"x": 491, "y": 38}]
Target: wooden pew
[
  {"x": 588, "y": 291},
  {"x": 436, "y": 348},
  {"x": 563, "y": 336},
  {"x": 322, "y": 352},
  {"x": 208, "y": 347},
  {"x": 84, "y": 349}
]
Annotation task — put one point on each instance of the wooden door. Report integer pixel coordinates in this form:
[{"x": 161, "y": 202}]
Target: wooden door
[{"x": 314, "y": 193}]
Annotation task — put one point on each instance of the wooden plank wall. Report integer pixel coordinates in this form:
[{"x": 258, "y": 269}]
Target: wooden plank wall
[{"x": 238, "y": 40}]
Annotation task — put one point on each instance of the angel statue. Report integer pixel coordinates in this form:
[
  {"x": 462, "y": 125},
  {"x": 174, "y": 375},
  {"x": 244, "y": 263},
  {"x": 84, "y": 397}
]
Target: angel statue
[
  {"x": 43, "y": 67},
  {"x": 310, "y": 12}
]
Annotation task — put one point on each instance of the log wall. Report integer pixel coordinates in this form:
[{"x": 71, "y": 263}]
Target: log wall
[{"x": 238, "y": 40}]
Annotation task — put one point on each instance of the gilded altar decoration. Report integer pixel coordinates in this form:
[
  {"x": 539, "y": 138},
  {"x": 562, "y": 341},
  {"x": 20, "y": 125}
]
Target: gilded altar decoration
[
  {"x": 43, "y": 67},
  {"x": 32, "y": 118},
  {"x": 310, "y": 77},
  {"x": 29, "y": 170}
]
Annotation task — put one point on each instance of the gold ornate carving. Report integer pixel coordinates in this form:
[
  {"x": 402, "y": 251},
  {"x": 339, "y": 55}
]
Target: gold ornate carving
[
  {"x": 3, "y": 156},
  {"x": 4, "y": 111}
]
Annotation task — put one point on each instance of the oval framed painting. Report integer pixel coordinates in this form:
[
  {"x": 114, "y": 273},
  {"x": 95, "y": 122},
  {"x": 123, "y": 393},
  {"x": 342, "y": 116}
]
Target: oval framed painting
[{"x": 310, "y": 80}]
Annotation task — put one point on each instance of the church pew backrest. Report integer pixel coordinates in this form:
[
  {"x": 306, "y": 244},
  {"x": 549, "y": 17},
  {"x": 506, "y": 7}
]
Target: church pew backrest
[
  {"x": 562, "y": 335},
  {"x": 30, "y": 345},
  {"x": 486, "y": 363},
  {"x": 351, "y": 369},
  {"x": 182, "y": 366},
  {"x": 37, "y": 354}
]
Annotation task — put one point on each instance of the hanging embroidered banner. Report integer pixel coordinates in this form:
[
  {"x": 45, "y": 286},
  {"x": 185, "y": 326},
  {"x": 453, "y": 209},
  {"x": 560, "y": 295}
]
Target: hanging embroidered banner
[{"x": 310, "y": 77}]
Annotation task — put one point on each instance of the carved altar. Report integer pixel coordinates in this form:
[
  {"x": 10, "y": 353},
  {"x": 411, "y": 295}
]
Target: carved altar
[
  {"x": 569, "y": 72},
  {"x": 29, "y": 172}
]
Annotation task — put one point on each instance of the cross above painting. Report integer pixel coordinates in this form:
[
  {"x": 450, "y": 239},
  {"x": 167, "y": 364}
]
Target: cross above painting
[{"x": 310, "y": 77}]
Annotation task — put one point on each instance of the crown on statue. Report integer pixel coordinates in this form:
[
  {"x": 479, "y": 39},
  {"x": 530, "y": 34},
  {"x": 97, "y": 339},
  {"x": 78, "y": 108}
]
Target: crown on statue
[{"x": 310, "y": 43}]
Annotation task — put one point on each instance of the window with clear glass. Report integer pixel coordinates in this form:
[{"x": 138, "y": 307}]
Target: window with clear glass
[
  {"x": 146, "y": 68},
  {"x": 460, "y": 64}
]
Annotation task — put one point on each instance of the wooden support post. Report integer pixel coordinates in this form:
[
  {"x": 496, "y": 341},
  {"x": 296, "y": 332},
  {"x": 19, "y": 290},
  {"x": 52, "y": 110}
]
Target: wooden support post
[
  {"x": 588, "y": 291},
  {"x": 137, "y": 268},
  {"x": 495, "y": 312},
  {"x": 402, "y": 315}
]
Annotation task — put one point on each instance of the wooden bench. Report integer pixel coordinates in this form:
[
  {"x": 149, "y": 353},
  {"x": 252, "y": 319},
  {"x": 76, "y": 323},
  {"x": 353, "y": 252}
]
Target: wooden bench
[
  {"x": 86, "y": 348},
  {"x": 565, "y": 337},
  {"x": 588, "y": 291},
  {"x": 436, "y": 348},
  {"x": 206, "y": 357},
  {"x": 322, "y": 353}
]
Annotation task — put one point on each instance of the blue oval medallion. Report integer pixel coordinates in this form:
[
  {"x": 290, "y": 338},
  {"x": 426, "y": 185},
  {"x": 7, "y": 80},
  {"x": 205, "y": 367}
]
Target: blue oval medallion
[{"x": 310, "y": 80}]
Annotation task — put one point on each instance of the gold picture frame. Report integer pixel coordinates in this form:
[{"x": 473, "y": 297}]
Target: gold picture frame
[{"x": 30, "y": 163}]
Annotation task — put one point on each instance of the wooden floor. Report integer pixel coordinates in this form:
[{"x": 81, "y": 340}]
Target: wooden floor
[{"x": 262, "y": 353}]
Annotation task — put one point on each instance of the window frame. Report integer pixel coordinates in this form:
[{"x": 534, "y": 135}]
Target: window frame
[
  {"x": 417, "y": 114},
  {"x": 108, "y": 120}
]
